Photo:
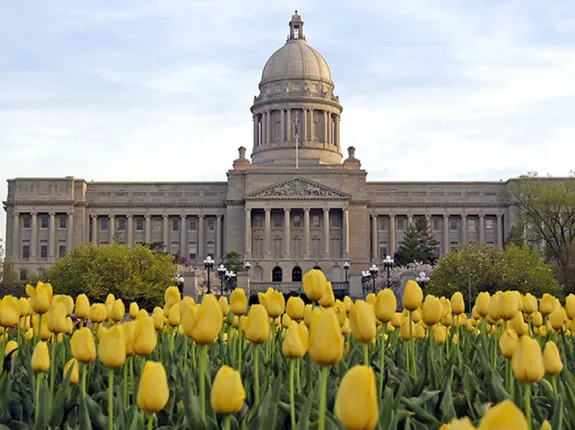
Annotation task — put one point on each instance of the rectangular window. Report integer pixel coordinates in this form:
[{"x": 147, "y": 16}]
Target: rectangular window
[
  {"x": 211, "y": 224},
  {"x": 400, "y": 224},
  {"x": 210, "y": 249},
  {"x": 335, "y": 247},
  {"x": 453, "y": 224},
  {"x": 277, "y": 130},
  {"x": 277, "y": 247},
  {"x": 489, "y": 224},
  {"x": 383, "y": 222},
  {"x": 104, "y": 224},
  {"x": 277, "y": 221},
  {"x": 25, "y": 250},
  {"x": 121, "y": 224},
  {"x": 175, "y": 248},
  {"x": 175, "y": 224},
  {"x": 471, "y": 225},
  {"x": 315, "y": 221},
  {"x": 436, "y": 224},
  {"x": 258, "y": 221},
  {"x": 335, "y": 221},
  {"x": 258, "y": 247},
  {"x": 316, "y": 247},
  {"x": 62, "y": 221},
  {"x": 44, "y": 221},
  {"x": 297, "y": 221},
  {"x": 193, "y": 251},
  {"x": 43, "y": 249},
  {"x": 316, "y": 129},
  {"x": 157, "y": 224},
  {"x": 139, "y": 224},
  {"x": 296, "y": 247},
  {"x": 26, "y": 221},
  {"x": 382, "y": 250},
  {"x": 437, "y": 252},
  {"x": 193, "y": 224},
  {"x": 61, "y": 249}
]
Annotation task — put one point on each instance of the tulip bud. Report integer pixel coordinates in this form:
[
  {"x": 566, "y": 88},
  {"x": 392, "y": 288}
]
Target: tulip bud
[
  {"x": 495, "y": 310},
  {"x": 307, "y": 314},
  {"x": 508, "y": 343},
  {"x": 174, "y": 315},
  {"x": 208, "y": 321},
  {"x": 29, "y": 334},
  {"x": 273, "y": 301},
  {"x": 239, "y": 302},
  {"x": 82, "y": 306},
  {"x": 257, "y": 325},
  {"x": 118, "y": 311},
  {"x": 144, "y": 338},
  {"x": 528, "y": 361},
  {"x": 11, "y": 346},
  {"x": 431, "y": 310},
  {"x": 457, "y": 303},
  {"x": 397, "y": 319},
  {"x": 557, "y": 318},
  {"x": 228, "y": 394},
  {"x": 340, "y": 312},
  {"x": 546, "y": 425},
  {"x": 347, "y": 304},
  {"x": 172, "y": 296},
  {"x": 537, "y": 319},
  {"x": 314, "y": 284},
  {"x": 529, "y": 304},
  {"x": 547, "y": 304},
  {"x": 57, "y": 318},
  {"x": 295, "y": 308},
  {"x": 134, "y": 310},
  {"x": 508, "y": 305},
  {"x": 385, "y": 305},
  {"x": 356, "y": 401},
  {"x": 459, "y": 424},
  {"x": 112, "y": 347},
  {"x": 346, "y": 327},
  {"x": 412, "y": 296},
  {"x": 9, "y": 311},
  {"x": 439, "y": 334},
  {"x": 224, "y": 306},
  {"x": 158, "y": 318},
  {"x": 362, "y": 321},
  {"x": 75, "y": 373},
  {"x": 83, "y": 346},
  {"x": 419, "y": 332},
  {"x": 45, "y": 335},
  {"x": 407, "y": 329},
  {"x": 482, "y": 302},
  {"x": 326, "y": 339},
  {"x": 41, "y": 357},
  {"x": 504, "y": 415},
  {"x": 40, "y": 297},
  {"x": 552, "y": 359},
  {"x": 24, "y": 306},
  {"x": 153, "y": 391},
  {"x": 293, "y": 345}
]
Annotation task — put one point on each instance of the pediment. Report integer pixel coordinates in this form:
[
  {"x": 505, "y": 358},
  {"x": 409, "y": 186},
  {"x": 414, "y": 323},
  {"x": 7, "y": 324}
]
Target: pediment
[{"x": 297, "y": 189}]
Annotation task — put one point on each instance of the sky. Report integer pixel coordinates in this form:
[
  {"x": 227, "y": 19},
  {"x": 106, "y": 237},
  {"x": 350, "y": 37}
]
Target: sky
[{"x": 160, "y": 90}]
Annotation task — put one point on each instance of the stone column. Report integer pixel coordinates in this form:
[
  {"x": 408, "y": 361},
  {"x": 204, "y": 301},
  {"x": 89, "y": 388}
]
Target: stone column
[
  {"x": 326, "y": 232},
  {"x": 183, "y": 241},
  {"x": 287, "y": 233},
  {"x": 409, "y": 220},
  {"x": 325, "y": 127},
  {"x": 345, "y": 223},
  {"x": 288, "y": 125},
  {"x": 268, "y": 127},
  {"x": 95, "y": 229},
  {"x": 218, "y": 237},
  {"x": 255, "y": 119},
  {"x": 15, "y": 235},
  {"x": 337, "y": 139},
  {"x": 306, "y": 233},
  {"x": 392, "y": 234},
  {"x": 463, "y": 228},
  {"x": 267, "y": 232},
  {"x": 165, "y": 232},
  {"x": 130, "y": 234},
  {"x": 499, "y": 229},
  {"x": 329, "y": 129},
  {"x": 33, "y": 235},
  {"x": 481, "y": 228},
  {"x": 445, "y": 234},
  {"x": 51, "y": 235},
  {"x": 374, "y": 239},
  {"x": 303, "y": 131},
  {"x": 282, "y": 125},
  {"x": 111, "y": 229},
  {"x": 310, "y": 121},
  {"x": 248, "y": 234},
  {"x": 70, "y": 244},
  {"x": 148, "y": 227},
  {"x": 201, "y": 238}
]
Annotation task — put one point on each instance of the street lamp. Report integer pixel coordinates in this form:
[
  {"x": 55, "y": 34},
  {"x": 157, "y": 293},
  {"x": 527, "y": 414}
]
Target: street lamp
[
  {"x": 221, "y": 272},
  {"x": 209, "y": 265},
  {"x": 388, "y": 264},
  {"x": 364, "y": 280},
  {"x": 247, "y": 266},
  {"x": 230, "y": 279},
  {"x": 422, "y": 279},
  {"x": 373, "y": 270},
  {"x": 346, "y": 268}
]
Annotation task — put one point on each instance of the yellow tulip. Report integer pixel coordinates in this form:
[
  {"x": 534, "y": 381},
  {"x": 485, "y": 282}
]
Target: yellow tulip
[
  {"x": 547, "y": 304},
  {"x": 356, "y": 400},
  {"x": 327, "y": 299},
  {"x": 40, "y": 297},
  {"x": 385, "y": 305},
  {"x": 529, "y": 303},
  {"x": 10, "y": 347},
  {"x": 432, "y": 310},
  {"x": 69, "y": 326},
  {"x": 257, "y": 325},
  {"x": 406, "y": 330},
  {"x": 24, "y": 306},
  {"x": 228, "y": 394},
  {"x": 552, "y": 359},
  {"x": 118, "y": 311},
  {"x": 439, "y": 334},
  {"x": 495, "y": 310},
  {"x": 83, "y": 346},
  {"x": 207, "y": 322},
  {"x": 171, "y": 296},
  {"x": 412, "y": 296},
  {"x": 158, "y": 318},
  {"x": 273, "y": 301},
  {"x": 362, "y": 321},
  {"x": 75, "y": 374},
  {"x": 239, "y": 302},
  {"x": 546, "y": 425},
  {"x": 397, "y": 319},
  {"x": 110, "y": 299},
  {"x": 98, "y": 313},
  {"x": 66, "y": 300},
  {"x": 112, "y": 347},
  {"x": 153, "y": 391},
  {"x": 416, "y": 315},
  {"x": 340, "y": 312},
  {"x": 314, "y": 284},
  {"x": 294, "y": 346},
  {"x": 326, "y": 339},
  {"x": 419, "y": 332},
  {"x": 129, "y": 328},
  {"x": 57, "y": 318},
  {"x": 347, "y": 303},
  {"x": 570, "y": 306},
  {"x": 45, "y": 335},
  {"x": 537, "y": 319},
  {"x": 527, "y": 361},
  {"x": 458, "y": 424},
  {"x": 224, "y": 306},
  {"x": 457, "y": 303},
  {"x": 508, "y": 343},
  {"x": 504, "y": 416},
  {"x": 174, "y": 315},
  {"x": 508, "y": 305},
  {"x": 9, "y": 311},
  {"x": 304, "y": 334},
  {"x": 557, "y": 318},
  {"x": 145, "y": 338},
  {"x": 285, "y": 320},
  {"x": 446, "y": 319},
  {"x": 295, "y": 308},
  {"x": 307, "y": 313},
  {"x": 134, "y": 310},
  {"x": 82, "y": 306},
  {"x": 482, "y": 302},
  {"x": 346, "y": 327},
  {"x": 41, "y": 357}
]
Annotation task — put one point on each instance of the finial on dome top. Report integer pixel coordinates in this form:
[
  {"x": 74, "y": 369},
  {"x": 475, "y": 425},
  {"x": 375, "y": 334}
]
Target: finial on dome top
[{"x": 296, "y": 27}]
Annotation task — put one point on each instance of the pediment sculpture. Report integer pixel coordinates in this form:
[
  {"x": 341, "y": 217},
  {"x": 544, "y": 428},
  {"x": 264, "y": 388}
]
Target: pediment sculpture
[{"x": 298, "y": 188}]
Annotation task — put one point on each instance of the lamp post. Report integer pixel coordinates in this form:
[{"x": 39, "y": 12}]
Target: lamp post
[
  {"x": 364, "y": 280},
  {"x": 209, "y": 265},
  {"x": 387, "y": 265},
  {"x": 221, "y": 272},
  {"x": 373, "y": 270},
  {"x": 230, "y": 275},
  {"x": 346, "y": 268},
  {"x": 422, "y": 279}
]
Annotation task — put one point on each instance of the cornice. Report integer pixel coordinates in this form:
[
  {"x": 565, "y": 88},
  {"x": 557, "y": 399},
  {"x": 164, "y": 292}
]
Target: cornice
[
  {"x": 40, "y": 203},
  {"x": 437, "y": 205},
  {"x": 156, "y": 205}
]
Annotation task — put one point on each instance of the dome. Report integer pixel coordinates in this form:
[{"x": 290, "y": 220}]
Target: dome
[{"x": 296, "y": 59}]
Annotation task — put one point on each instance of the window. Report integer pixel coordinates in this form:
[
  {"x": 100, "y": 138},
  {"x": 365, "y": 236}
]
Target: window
[
  {"x": 316, "y": 247},
  {"x": 315, "y": 221},
  {"x": 62, "y": 222},
  {"x": 121, "y": 224},
  {"x": 296, "y": 274},
  {"x": 471, "y": 225},
  {"x": 258, "y": 247},
  {"x": 453, "y": 224},
  {"x": 43, "y": 249},
  {"x": 297, "y": 221},
  {"x": 489, "y": 224},
  {"x": 211, "y": 224},
  {"x": 277, "y": 247},
  {"x": 139, "y": 224},
  {"x": 192, "y": 251},
  {"x": 277, "y": 221},
  {"x": 335, "y": 247},
  {"x": 157, "y": 225},
  {"x": 193, "y": 224},
  {"x": 174, "y": 248},
  {"x": 382, "y": 222},
  {"x": 44, "y": 221},
  {"x": 296, "y": 247},
  {"x": 210, "y": 249},
  {"x": 277, "y": 130},
  {"x": 104, "y": 224},
  {"x": 26, "y": 221},
  {"x": 175, "y": 224},
  {"x": 400, "y": 224},
  {"x": 61, "y": 249},
  {"x": 382, "y": 250},
  {"x": 25, "y": 250},
  {"x": 316, "y": 130},
  {"x": 258, "y": 221},
  {"x": 437, "y": 252},
  {"x": 436, "y": 224},
  {"x": 277, "y": 274},
  {"x": 335, "y": 222}
]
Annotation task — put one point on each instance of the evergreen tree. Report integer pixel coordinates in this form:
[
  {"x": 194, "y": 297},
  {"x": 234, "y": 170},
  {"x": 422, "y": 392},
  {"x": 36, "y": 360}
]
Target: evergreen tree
[{"x": 418, "y": 244}]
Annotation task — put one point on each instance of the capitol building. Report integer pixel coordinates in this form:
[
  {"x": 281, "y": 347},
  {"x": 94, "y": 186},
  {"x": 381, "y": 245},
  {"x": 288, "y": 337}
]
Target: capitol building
[{"x": 296, "y": 199}]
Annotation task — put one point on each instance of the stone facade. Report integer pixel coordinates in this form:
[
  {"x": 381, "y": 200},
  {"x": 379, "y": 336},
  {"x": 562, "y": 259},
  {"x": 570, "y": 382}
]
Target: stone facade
[{"x": 294, "y": 206}]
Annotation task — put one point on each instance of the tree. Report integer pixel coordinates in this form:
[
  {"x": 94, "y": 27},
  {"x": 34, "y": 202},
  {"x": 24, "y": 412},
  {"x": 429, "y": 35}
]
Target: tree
[
  {"x": 516, "y": 235},
  {"x": 418, "y": 244},
  {"x": 233, "y": 261},
  {"x": 492, "y": 269},
  {"x": 132, "y": 274},
  {"x": 547, "y": 215}
]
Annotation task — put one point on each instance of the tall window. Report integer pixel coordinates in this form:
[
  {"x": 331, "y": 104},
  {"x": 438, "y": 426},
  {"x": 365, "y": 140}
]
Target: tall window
[
  {"x": 62, "y": 221},
  {"x": 489, "y": 224},
  {"x": 335, "y": 221},
  {"x": 121, "y": 224},
  {"x": 383, "y": 223},
  {"x": 297, "y": 221},
  {"x": 43, "y": 249},
  {"x": 277, "y": 247},
  {"x": 315, "y": 221},
  {"x": 175, "y": 224},
  {"x": 316, "y": 247},
  {"x": 210, "y": 249},
  {"x": 157, "y": 224},
  {"x": 193, "y": 251},
  {"x": 174, "y": 248},
  {"x": 436, "y": 224},
  {"x": 193, "y": 224},
  {"x": 25, "y": 249},
  {"x": 400, "y": 224},
  {"x": 44, "y": 221},
  {"x": 258, "y": 221},
  {"x": 139, "y": 224},
  {"x": 104, "y": 224},
  {"x": 258, "y": 247},
  {"x": 211, "y": 224},
  {"x": 296, "y": 247},
  {"x": 471, "y": 225},
  {"x": 61, "y": 249},
  {"x": 453, "y": 224},
  {"x": 335, "y": 247},
  {"x": 26, "y": 221},
  {"x": 382, "y": 250},
  {"x": 277, "y": 221}
]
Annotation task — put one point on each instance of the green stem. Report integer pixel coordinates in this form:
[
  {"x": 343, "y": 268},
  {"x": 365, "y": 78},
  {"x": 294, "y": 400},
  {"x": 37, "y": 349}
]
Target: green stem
[
  {"x": 194, "y": 364},
  {"x": 381, "y": 365},
  {"x": 411, "y": 345},
  {"x": 366, "y": 354},
  {"x": 39, "y": 337},
  {"x": 527, "y": 405},
  {"x": 203, "y": 358},
  {"x": 291, "y": 394},
  {"x": 150, "y": 421},
  {"x": 554, "y": 384},
  {"x": 323, "y": 397},
  {"x": 84, "y": 368},
  {"x": 227, "y": 420},
  {"x": 298, "y": 380},
  {"x": 125, "y": 381},
  {"x": 111, "y": 399},
  {"x": 257, "y": 373},
  {"x": 52, "y": 365},
  {"x": 239, "y": 342},
  {"x": 39, "y": 379}
]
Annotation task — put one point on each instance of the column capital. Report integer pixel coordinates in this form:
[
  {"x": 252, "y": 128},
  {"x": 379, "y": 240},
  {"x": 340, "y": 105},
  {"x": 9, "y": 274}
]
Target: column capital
[
  {"x": 183, "y": 216},
  {"x": 247, "y": 209},
  {"x": 267, "y": 209},
  {"x": 94, "y": 216},
  {"x": 325, "y": 210},
  {"x": 481, "y": 215},
  {"x": 165, "y": 216},
  {"x": 287, "y": 209},
  {"x": 392, "y": 216},
  {"x": 463, "y": 215},
  {"x": 129, "y": 216},
  {"x": 70, "y": 213},
  {"x": 219, "y": 216},
  {"x": 445, "y": 216},
  {"x": 306, "y": 209},
  {"x": 52, "y": 213},
  {"x": 112, "y": 216},
  {"x": 499, "y": 216},
  {"x": 34, "y": 213},
  {"x": 201, "y": 216},
  {"x": 16, "y": 213},
  {"x": 147, "y": 216}
]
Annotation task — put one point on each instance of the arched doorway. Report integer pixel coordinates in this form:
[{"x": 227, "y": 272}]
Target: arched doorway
[
  {"x": 296, "y": 274},
  {"x": 277, "y": 274}
]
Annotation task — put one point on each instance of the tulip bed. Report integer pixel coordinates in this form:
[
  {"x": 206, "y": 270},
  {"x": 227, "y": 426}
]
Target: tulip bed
[{"x": 277, "y": 365}]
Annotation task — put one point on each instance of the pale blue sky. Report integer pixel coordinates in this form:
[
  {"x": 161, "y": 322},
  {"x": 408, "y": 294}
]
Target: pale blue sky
[{"x": 161, "y": 90}]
